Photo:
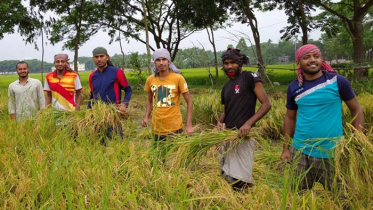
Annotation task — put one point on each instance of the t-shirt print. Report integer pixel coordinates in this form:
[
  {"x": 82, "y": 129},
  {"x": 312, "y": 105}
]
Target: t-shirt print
[{"x": 163, "y": 94}]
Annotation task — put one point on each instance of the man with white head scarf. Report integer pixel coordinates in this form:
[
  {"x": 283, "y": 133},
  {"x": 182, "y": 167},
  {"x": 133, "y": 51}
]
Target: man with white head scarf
[
  {"x": 63, "y": 86},
  {"x": 164, "y": 89}
]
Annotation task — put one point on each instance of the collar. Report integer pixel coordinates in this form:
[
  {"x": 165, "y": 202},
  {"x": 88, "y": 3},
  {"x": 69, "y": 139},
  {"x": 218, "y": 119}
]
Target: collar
[
  {"x": 103, "y": 70},
  {"x": 55, "y": 73},
  {"x": 19, "y": 81}
]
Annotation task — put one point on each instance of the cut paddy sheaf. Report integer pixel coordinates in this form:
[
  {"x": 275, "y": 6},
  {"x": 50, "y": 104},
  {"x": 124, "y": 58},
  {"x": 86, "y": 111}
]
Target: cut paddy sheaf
[{"x": 49, "y": 164}]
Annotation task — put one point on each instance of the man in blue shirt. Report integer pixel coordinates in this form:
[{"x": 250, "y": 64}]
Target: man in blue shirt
[
  {"x": 314, "y": 117},
  {"x": 106, "y": 84}
]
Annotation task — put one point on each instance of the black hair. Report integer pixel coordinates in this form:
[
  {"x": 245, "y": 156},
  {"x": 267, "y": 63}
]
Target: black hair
[
  {"x": 236, "y": 56},
  {"x": 22, "y": 62}
]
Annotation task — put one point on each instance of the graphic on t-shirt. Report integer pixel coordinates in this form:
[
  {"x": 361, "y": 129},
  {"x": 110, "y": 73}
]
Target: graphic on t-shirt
[
  {"x": 237, "y": 89},
  {"x": 163, "y": 94}
]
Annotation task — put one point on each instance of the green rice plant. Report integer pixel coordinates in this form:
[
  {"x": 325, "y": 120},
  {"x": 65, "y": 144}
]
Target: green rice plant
[
  {"x": 353, "y": 164},
  {"x": 366, "y": 103},
  {"x": 270, "y": 126},
  {"x": 207, "y": 108}
]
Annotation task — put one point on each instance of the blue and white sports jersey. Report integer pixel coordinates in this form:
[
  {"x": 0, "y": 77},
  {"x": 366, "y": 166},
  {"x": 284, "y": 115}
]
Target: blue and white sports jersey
[{"x": 319, "y": 107}]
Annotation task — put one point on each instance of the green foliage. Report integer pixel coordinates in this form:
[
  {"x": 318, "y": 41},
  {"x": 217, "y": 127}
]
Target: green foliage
[
  {"x": 137, "y": 71},
  {"x": 34, "y": 65},
  {"x": 14, "y": 14}
]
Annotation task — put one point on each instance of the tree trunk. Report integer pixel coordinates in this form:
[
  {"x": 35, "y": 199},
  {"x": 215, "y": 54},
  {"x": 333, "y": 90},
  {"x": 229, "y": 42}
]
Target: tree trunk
[
  {"x": 254, "y": 27},
  {"x": 121, "y": 50},
  {"x": 76, "y": 49},
  {"x": 42, "y": 57},
  {"x": 303, "y": 23},
  {"x": 147, "y": 37},
  {"x": 212, "y": 41},
  {"x": 359, "y": 52}
]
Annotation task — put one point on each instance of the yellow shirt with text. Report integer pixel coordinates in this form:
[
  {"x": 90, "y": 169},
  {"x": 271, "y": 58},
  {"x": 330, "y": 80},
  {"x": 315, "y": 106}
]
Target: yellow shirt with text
[{"x": 166, "y": 116}]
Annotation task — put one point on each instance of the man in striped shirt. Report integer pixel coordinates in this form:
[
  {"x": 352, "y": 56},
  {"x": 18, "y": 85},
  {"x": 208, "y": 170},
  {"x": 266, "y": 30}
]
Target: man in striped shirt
[{"x": 63, "y": 86}]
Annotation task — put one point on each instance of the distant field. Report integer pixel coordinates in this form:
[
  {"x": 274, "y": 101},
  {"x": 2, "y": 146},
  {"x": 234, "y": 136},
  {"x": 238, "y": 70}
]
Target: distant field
[{"x": 195, "y": 77}]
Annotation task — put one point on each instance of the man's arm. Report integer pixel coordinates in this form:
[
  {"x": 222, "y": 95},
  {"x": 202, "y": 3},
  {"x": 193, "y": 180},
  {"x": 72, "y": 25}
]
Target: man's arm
[
  {"x": 48, "y": 99},
  {"x": 41, "y": 96},
  {"x": 220, "y": 123},
  {"x": 189, "y": 102},
  {"x": 127, "y": 97},
  {"x": 149, "y": 108},
  {"x": 288, "y": 132},
  {"x": 263, "y": 109},
  {"x": 11, "y": 104},
  {"x": 356, "y": 113},
  {"x": 78, "y": 99}
]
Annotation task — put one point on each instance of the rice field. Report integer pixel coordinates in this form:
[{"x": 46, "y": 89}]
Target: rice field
[{"x": 46, "y": 165}]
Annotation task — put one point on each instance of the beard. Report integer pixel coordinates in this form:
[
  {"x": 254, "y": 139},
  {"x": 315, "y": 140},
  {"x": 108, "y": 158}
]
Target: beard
[{"x": 233, "y": 74}]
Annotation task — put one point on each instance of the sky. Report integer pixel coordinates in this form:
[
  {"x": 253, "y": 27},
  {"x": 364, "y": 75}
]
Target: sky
[{"x": 12, "y": 46}]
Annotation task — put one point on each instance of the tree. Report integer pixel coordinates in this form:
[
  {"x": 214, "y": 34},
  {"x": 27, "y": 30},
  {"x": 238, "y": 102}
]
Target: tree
[
  {"x": 163, "y": 22},
  {"x": 299, "y": 17},
  {"x": 75, "y": 23},
  {"x": 14, "y": 14},
  {"x": 351, "y": 13},
  {"x": 209, "y": 15},
  {"x": 244, "y": 10}
]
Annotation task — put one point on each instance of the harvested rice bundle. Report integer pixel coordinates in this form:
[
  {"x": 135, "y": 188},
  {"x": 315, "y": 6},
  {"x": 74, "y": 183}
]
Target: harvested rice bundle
[
  {"x": 94, "y": 121},
  {"x": 354, "y": 165},
  {"x": 183, "y": 150}
]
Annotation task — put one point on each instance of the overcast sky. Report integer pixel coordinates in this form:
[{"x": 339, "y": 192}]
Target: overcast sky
[{"x": 12, "y": 46}]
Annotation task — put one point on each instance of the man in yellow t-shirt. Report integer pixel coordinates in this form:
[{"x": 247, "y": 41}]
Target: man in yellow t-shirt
[{"x": 164, "y": 89}]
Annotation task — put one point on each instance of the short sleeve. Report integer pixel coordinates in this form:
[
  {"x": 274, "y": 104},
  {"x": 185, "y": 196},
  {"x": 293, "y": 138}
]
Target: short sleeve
[
  {"x": 222, "y": 96},
  {"x": 290, "y": 102},
  {"x": 46, "y": 86},
  {"x": 183, "y": 86},
  {"x": 147, "y": 83},
  {"x": 252, "y": 79},
  {"x": 78, "y": 84},
  {"x": 344, "y": 88},
  {"x": 11, "y": 100}
]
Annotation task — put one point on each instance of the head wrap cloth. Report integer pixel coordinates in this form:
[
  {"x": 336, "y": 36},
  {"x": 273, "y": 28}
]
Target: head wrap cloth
[
  {"x": 163, "y": 53},
  {"x": 64, "y": 57},
  {"x": 102, "y": 50},
  {"x": 309, "y": 48},
  {"x": 236, "y": 56}
]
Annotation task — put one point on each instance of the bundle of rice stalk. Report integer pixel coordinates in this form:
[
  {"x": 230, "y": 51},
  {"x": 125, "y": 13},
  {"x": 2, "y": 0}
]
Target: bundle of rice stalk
[
  {"x": 183, "y": 150},
  {"x": 353, "y": 164},
  {"x": 94, "y": 121}
]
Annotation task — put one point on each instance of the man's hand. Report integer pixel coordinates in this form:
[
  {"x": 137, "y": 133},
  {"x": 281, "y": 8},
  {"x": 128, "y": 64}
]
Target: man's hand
[
  {"x": 144, "y": 122},
  {"x": 122, "y": 108},
  {"x": 221, "y": 126},
  {"x": 285, "y": 156},
  {"x": 189, "y": 129},
  {"x": 244, "y": 130}
]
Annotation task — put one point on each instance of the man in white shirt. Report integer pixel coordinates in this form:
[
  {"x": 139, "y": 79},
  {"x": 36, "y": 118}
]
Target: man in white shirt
[{"x": 25, "y": 95}]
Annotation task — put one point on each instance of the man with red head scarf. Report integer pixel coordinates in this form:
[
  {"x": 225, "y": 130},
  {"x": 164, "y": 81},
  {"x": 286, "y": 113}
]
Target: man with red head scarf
[
  {"x": 313, "y": 120},
  {"x": 63, "y": 86},
  {"x": 239, "y": 97}
]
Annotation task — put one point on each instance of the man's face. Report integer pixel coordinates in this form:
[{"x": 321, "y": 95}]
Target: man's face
[
  {"x": 161, "y": 64},
  {"x": 231, "y": 68},
  {"x": 310, "y": 63},
  {"x": 100, "y": 60},
  {"x": 22, "y": 70},
  {"x": 60, "y": 64}
]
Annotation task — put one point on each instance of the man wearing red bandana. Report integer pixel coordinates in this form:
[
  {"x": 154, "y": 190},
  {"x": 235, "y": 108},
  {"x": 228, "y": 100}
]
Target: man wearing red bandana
[{"x": 239, "y": 96}]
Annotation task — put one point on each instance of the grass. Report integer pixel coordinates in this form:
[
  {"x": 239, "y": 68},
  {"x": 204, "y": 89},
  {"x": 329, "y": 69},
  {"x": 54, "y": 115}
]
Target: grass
[{"x": 49, "y": 166}]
